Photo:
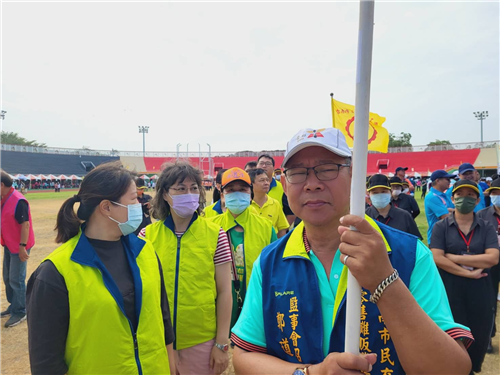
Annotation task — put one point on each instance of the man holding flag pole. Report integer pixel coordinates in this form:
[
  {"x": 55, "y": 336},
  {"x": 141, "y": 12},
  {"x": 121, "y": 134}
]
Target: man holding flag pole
[{"x": 303, "y": 314}]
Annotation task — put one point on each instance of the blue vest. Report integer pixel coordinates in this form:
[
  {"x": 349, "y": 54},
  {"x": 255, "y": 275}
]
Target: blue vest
[{"x": 291, "y": 300}]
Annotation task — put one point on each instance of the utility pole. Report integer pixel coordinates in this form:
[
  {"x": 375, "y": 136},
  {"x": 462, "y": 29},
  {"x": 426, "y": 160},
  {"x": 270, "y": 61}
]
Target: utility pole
[
  {"x": 2, "y": 114},
  {"x": 481, "y": 116},
  {"x": 144, "y": 131},
  {"x": 178, "y": 146}
]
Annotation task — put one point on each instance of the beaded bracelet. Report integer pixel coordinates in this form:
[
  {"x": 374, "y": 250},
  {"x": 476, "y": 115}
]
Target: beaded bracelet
[{"x": 383, "y": 285}]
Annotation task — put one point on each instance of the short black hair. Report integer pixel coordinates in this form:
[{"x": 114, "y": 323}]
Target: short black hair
[
  {"x": 256, "y": 172},
  {"x": 251, "y": 164},
  {"x": 218, "y": 178},
  {"x": 6, "y": 180},
  {"x": 266, "y": 156}
]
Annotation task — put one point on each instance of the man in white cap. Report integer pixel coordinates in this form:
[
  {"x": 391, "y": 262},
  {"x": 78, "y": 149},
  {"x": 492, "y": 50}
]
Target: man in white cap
[{"x": 293, "y": 320}]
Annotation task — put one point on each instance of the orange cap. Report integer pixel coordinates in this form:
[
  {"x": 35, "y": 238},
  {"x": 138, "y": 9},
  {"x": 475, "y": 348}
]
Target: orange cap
[{"x": 235, "y": 174}]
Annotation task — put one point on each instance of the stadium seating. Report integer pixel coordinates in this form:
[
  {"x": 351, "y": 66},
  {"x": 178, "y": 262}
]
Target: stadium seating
[{"x": 28, "y": 162}]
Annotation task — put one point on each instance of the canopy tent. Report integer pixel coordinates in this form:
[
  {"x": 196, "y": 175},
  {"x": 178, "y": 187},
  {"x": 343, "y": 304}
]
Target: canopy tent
[
  {"x": 74, "y": 177},
  {"x": 20, "y": 177},
  {"x": 62, "y": 177},
  {"x": 155, "y": 177},
  {"x": 144, "y": 177},
  {"x": 32, "y": 177}
]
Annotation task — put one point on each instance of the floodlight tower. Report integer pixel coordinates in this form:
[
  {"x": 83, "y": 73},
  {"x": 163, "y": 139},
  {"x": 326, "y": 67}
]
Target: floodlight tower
[
  {"x": 481, "y": 116},
  {"x": 144, "y": 131}
]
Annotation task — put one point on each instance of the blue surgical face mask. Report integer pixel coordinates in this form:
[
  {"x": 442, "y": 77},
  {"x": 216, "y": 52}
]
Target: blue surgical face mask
[
  {"x": 380, "y": 200},
  {"x": 237, "y": 202},
  {"x": 134, "y": 218},
  {"x": 495, "y": 200}
]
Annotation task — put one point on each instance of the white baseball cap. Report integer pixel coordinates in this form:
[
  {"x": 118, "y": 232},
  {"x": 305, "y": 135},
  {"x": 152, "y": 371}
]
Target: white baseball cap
[{"x": 330, "y": 138}]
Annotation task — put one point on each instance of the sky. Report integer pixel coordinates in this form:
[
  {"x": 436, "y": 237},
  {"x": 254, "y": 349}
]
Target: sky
[{"x": 241, "y": 76}]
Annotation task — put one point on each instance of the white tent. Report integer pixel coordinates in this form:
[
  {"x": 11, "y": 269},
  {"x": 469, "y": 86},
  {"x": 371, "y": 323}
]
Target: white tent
[{"x": 144, "y": 177}]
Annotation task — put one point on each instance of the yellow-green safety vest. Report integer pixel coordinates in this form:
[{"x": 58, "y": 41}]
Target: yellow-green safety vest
[
  {"x": 276, "y": 191},
  {"x": 257, "y": 232},
  {"x": 101, "y": 339},
  {"x": 189, "y": 274}
]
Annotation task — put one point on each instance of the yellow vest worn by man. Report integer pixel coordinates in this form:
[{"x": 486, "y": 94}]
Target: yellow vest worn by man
[
  {"x": 276, "y": 191},
  {"x": 101, "y": 339},
  {"x": 189, "y": 274}
]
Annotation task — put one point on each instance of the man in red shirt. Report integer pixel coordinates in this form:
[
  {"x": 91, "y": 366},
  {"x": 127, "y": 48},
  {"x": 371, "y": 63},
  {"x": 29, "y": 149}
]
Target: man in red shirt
[{"x": 17, "y": 239}]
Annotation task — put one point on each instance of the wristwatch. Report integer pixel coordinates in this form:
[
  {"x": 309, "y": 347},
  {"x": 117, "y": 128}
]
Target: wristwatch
[
  {"x": 301, "y": 371},
  {"x": 224, "y": 347},
  {"x": 23, "y": 244}
]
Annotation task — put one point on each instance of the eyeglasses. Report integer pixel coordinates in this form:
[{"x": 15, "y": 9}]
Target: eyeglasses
[
  {"x": 265, "y": 163},
  {"x": 183, "y": 190},
  {"x": 323, "y": 172}
]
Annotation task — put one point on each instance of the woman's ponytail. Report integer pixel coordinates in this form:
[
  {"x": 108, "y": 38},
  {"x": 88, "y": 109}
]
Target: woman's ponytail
[{"x": 67, "y": 224}]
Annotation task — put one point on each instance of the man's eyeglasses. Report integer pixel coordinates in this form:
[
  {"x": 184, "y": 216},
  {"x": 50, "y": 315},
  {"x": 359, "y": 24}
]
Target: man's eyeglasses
[
  {"x": 265, "y": 163},
  {"x": 323, "y": 172},
  {"x": 183, "y": 190}
]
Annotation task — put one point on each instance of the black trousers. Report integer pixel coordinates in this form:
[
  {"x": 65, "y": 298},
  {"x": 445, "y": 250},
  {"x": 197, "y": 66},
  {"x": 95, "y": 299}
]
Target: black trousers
[{"x": 471, "y": 305}]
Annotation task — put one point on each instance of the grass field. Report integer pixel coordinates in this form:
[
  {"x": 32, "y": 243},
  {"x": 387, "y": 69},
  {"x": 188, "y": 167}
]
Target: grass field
[{"x": 44, "y": 207}]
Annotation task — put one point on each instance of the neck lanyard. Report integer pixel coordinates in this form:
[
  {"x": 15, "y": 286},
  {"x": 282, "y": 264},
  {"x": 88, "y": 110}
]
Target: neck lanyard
[
  {"x": 388, "y": 219},
  {"x": 465, "y": 240}
]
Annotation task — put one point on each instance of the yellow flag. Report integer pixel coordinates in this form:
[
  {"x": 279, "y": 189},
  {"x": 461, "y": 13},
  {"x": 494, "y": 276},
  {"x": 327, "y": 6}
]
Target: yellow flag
[{"x": 343, "y": 119}]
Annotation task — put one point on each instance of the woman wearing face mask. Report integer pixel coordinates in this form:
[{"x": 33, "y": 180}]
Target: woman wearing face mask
[
  {"x": 464, "y": 248},
  {"x": 383, "y": 211},
  {"x": 248, "y": 232},
  {"x": 97, "y": 305},
  {"x": 491, "y": 214},
  {"x": 196, "y": 260}
]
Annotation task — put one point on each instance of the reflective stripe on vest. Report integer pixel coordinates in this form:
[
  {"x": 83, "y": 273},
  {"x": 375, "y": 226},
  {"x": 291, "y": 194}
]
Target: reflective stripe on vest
[
  {"x": 293, "y": 321},
  {"x": 189, "y": 274},
  {"x": 257, "y": 232},
  {"x": 101, "y": 339}
]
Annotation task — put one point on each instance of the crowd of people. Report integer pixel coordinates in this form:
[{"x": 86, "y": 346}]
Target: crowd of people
[{"x": 262, "y": 269}]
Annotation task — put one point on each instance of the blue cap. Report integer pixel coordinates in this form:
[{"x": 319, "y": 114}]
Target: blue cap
[
  {"x": 466, "y": 167},
  {"x": 440, "y": 173}
]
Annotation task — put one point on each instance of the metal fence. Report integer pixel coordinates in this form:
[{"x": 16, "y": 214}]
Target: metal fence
[{"x": 167, "y": 154}]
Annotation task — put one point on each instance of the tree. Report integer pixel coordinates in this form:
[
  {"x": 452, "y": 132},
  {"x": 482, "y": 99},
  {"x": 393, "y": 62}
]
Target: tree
[
  {"x": 11, "y": 138},
  {"x": 402, "y": 140},
  {"x": 438, "y": 142}
]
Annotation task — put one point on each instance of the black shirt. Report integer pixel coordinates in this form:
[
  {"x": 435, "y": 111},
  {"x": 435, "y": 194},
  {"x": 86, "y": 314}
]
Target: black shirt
[
  {"x": 408, "y": 203},
  {"x": 490, "y": 215},
  {"x": 22, "y": 213},
  {"x": 48, "y": 307},
  {"x": 146, "y": 218},
  {"x": 447, "y": 236},
  {"x": 397, "y": 219}
]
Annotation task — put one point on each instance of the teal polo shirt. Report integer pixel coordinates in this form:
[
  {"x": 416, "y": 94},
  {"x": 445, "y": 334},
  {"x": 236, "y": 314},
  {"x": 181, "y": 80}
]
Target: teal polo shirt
[{"x": 426, "y": 287}]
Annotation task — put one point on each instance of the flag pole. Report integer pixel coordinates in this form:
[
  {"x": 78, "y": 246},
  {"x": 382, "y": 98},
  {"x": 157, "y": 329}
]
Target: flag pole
[
  {"x": 360, "y": 155},
  {"x": 333, "y": 110}
]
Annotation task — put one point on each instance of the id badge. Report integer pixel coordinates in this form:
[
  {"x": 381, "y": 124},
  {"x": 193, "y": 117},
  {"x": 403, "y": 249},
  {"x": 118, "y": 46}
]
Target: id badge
[{"x": 467, "y": 267}]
